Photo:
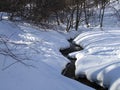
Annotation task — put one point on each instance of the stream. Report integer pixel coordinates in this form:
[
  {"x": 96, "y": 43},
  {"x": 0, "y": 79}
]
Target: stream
[{"x": 69, "y": 70}]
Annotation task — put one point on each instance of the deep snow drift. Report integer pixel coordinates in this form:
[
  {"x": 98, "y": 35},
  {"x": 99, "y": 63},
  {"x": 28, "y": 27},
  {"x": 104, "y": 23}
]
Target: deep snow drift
[
  {"x": 30, "y": 59},
  {"x": 100, "y": 59}
]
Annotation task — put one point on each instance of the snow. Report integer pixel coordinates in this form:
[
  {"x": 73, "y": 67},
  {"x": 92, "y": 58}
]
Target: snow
[
  {"x": 36, "y": 63},
  {"x": 10, "y": 30},
  {"x": 100, "y": 60}
]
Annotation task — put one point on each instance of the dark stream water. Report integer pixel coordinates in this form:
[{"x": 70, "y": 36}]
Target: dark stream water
[{"x": 69, "y": 71}]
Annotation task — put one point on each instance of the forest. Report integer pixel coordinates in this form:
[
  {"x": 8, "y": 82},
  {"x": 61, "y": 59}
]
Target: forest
[{"x": 70, "y": 12}]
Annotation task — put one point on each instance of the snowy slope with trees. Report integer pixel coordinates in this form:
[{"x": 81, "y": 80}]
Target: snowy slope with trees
[{"x": 99, "y": 61}]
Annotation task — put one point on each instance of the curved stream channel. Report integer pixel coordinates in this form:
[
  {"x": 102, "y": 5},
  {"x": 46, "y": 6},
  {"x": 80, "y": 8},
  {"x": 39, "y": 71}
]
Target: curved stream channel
[{"x": 69, "y": 71}]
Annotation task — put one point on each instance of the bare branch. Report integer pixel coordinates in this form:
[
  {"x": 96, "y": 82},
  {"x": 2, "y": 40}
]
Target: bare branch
[{"x": 7, "y": 51}]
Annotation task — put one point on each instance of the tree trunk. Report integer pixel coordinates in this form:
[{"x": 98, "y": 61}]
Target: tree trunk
[
  {"x": 77, "y": 16},
  {"x": 85, "y": 12},
  {"x": 57, "y": 18},
  {"x": 102, "y": 16}
]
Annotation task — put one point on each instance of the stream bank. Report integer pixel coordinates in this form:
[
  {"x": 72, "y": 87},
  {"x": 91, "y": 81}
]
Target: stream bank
[{"x": 69, "y": 70}]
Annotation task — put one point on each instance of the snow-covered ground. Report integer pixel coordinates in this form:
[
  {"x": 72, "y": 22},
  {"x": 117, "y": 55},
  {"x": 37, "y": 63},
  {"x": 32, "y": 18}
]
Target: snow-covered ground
[{"x": 30, "y": 59}]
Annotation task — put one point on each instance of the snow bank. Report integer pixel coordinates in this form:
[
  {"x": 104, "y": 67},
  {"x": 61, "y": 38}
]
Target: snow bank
[
  {"x": 36, "y": 62},
  {"x": 100, "y": 59}
]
